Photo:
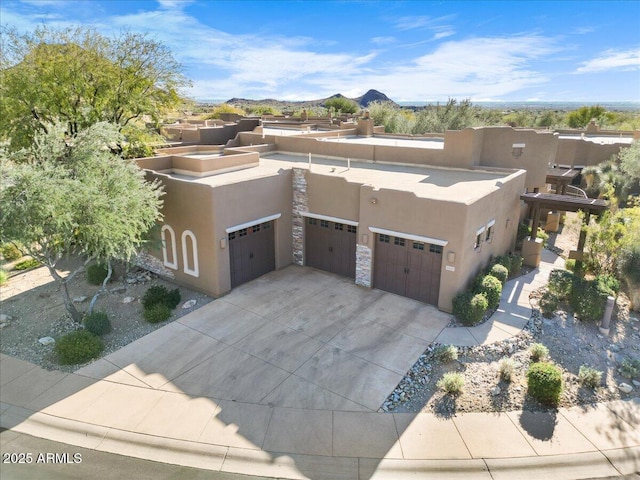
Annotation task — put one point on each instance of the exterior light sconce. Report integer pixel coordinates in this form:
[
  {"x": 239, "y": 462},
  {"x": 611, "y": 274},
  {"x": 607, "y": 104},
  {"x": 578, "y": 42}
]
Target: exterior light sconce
[
  {"x": 451, "y": 257},
  {"x": 223, "y": 243},
  {"x": 517, "y": 149},
  {"x": 373, "y": 200},
  {"x": 365, "y": 239}
]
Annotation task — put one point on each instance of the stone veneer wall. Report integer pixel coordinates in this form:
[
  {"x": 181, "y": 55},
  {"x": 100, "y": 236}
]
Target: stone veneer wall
[
  {"x": 300, "y": 204},
  {"x": 363, "y": 266}
]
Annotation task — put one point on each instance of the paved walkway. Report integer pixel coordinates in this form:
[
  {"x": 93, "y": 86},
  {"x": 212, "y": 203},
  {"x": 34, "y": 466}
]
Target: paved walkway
[{"x": 147, "y": 409}]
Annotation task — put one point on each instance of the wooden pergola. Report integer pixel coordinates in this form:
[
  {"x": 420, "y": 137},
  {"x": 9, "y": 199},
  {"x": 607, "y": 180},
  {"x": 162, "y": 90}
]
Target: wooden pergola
[
  {"x": 561, "y": 177},
  {"x": 567, "y": 203}
]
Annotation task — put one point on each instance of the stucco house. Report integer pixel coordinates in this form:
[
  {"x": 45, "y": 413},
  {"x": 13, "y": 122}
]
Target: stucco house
[{"x": 415, "y": 216}]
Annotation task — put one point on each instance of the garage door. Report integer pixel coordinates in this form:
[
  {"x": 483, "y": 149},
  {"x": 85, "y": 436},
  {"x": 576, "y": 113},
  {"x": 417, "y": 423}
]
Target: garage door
[
  {"x": 408, "y": 268},
  {"x": 331, "y": 246},
  {"x": 252, "y": 252}
]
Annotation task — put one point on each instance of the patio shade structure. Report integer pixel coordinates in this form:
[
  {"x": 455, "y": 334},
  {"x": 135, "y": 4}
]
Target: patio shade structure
[
  {"x": 567, "y": 203},
  {"x": 561, "y": 177}
]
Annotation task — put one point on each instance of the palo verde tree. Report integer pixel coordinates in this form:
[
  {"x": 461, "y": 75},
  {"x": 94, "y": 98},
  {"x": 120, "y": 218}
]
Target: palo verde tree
[
  {"x": 72, "y": 196},
  {"x": 80, "y": 77}
]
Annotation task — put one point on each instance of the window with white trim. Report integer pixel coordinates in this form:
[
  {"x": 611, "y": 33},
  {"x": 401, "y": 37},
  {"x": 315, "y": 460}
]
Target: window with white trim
[
  {"x": 478, "y": 242},
  {"x": 169, "y": 257},
  {"x": 190, "y": 249},
  {"x": 490, "y": 230}
]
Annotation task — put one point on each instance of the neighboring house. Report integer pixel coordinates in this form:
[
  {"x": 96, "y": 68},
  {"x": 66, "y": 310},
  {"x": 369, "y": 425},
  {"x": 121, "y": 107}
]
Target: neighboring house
[{"x": 416, "y": 216}]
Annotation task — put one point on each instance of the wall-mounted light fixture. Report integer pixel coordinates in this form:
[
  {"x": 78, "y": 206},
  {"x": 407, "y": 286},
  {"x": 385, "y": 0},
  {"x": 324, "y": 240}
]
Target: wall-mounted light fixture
[
  {"x": 451, "y": 257},
  {"x": 373, "y": 200},
  {"x": 365, "y": 238},
  {"x": 517, "y": 149},
  {"x": 223, "y": 243}
]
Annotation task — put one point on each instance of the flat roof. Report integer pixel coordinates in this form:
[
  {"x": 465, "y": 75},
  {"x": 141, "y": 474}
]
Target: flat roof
[
  {"x": 448, "y": 184},
  {"x": 434, "y": 143},
  {"x": 601, "y": 139}
]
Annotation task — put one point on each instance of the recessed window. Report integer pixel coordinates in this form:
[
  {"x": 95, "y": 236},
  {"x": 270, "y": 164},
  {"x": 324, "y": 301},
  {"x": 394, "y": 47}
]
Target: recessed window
[
  {"x": 489, "y": 235},
  {"x": 478, "y": 241},
  {"x": 351, "y": 229},
  {"x": 384, "y": 238},
  {"x": 338, "y": 226},
  {"x": 190, "y": 253},
  {"x": 168, "y": 237},
  {"x": 418, "y": 246},
  {"x": 435, "y": 249},
  {"x": 324, "y": 223},
  {"x": 398, "y": 241}
]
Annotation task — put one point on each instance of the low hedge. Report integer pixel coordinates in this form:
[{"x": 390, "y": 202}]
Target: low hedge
[
  {"x": 469, "y": 308},
  {"x": 491, "y": 287},
  {"x": 545, "y": 382},
  {"x": 500, "y": 272},
  {"x": 78, "y": 347}
]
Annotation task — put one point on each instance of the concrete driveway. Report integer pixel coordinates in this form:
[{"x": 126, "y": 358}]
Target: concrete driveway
[{"x": 297, "y": 337}]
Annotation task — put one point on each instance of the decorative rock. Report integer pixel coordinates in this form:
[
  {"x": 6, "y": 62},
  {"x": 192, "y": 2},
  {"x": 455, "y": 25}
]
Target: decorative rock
[
  {"x": 495, "y": 390},
  {"x": 46, "y": 341},
  {"x": 625, "y": 388},
  {"x": 3, "y": 325},
  {"x": 122, "y": 289},
  {"x": 128, "y": 299},
  {"x": 189, "y": 303},
  {"x": 5, "y": 318},
  {"x": 79, "y": 299},
  {"x": 636, "y": 383}
]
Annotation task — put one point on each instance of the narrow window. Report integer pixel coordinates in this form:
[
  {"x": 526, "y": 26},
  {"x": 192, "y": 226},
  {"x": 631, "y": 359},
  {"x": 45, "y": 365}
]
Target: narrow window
[
  {"x": 351, "y": 228},
  {"x": 338, "y": 226},
  {"x": 489, "y": 236},
  {"x": 312, "y": 221},
  {"x": 243, "y": 232},
  {"x": 255, "y": 229},
  {"x": 169, "y": 247},
  {"x": 418, "y": 246},
  {"x": 232, "y": 236},
  {"x": 398, "y": 241},
  {"x": 190, "y": 253},
  {"x": 324, "y": 224},
  {"x": 435, "y": 249},
  {"x": 383, "y": 238},
  {"x": 478, "y": 241}
]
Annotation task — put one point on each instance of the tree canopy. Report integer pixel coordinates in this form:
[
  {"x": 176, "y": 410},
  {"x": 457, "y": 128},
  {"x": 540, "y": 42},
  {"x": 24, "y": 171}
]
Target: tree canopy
[
  {"x": 81, "y": 77},
  {"x": 342, "y": 104},
  {"x": 73, "y": 196}
]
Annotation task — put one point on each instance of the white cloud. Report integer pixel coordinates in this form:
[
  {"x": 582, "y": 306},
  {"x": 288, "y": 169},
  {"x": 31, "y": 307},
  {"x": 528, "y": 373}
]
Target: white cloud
[
  {"x": 174, "y": 4},
  {"x": 612, "y": 60},
  {"x": 383, "y": 40}
]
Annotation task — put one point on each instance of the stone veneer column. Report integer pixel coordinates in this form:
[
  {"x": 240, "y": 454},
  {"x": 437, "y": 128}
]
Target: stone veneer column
[
  {"x": 300, "y": 204},
  {"x": 363, "y": 265}
]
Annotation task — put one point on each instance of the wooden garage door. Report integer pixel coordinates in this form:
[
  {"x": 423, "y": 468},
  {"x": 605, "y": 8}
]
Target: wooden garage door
[
  {"x": 252, "y": 252},
  {"x": 408, "y": 268},
  {"x": 331, "y": 246}
]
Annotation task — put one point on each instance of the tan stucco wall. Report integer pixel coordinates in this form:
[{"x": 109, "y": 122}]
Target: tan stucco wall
[
  {"x": 239, "y": 203},
  {"x": 584, "y": 153},
  {"x": 333, "y": 196}
]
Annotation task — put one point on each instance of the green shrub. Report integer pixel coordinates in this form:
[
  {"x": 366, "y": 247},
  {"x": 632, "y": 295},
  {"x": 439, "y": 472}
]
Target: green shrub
[
  {"x": 4, "y": 277},
  {"x": 10, "y": 252},
  {"x": 524, "y": 230},
  {"x": 78, "y": 347},
  {"x": 561, "y": 283},
  {"x": 587, "y": 300},
  {"x": 469, "y": 308},
  {"x": 512, "y": 262},
  {"x": 96, "y": 273},
  {"x": 159, "y": 294},
  {"x": 156, "y": 313},
  {"x": 589, "y": 376},
  {"x": 538, "y": 352},
  {"x": 27, "y": 264},
  {"x": 545, "y": 382},
  {"x": 97, "y": 323},
  {"x": 608, "y": 284},
  {"x": 500, "y": 272},
  {"x": 452, "y": 383},
  {"x": 570, "y": 264},
  {"x": 491, "y": 287},
  {"x": 630, "y": 367},
  {"x": 629, "y": 264},
  {"x": 544, "y": 236},
  {"x": 507, "y": 367},
  {"x": 445, "y": 353},
  {"x": 548, "y": 304}
]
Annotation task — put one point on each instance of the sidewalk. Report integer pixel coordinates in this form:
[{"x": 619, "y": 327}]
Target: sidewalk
[{"x": 118, "y": 413}]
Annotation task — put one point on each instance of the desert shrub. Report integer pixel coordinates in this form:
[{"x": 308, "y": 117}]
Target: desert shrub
[
  {"x": 507, "y": 367},
  {"x": 445, "y": 353},
  {"x": 561, "y": 283},
  {"x": 469, "y": 308},
  {"x": 629, "y": 264},
  {"x": 491, "y": 287},
  {"x": 159, "y": 294},
  {"x": 538, "y": 352},
  {"x": 524, "y": 231},
  {"x": 629, "y": 367},
  {"x": 545, "y": 382},
  {"x": 512, "y": 262},
  {"x": 589, "y": 377},
  {"x": 156, "y": 313},
  {"x": 570, "y": 264},
  {"x": 10, "y": 252},
  {"x": 608, "y": 284},
  {"x": 500, "y": 272},
  {"x": 544, "y": 236},
  {"x": 4, "y": 277},
  {"x": 452, "y": 383},
  {"x": 78, "y": 347},
  {"x": 587, "y": 300},
  {"x": 548, "y": 304},
  {"x": 97, "y": 323},
  {"x": 27, "y": 264},
  {"x": 96, "y": 273}
]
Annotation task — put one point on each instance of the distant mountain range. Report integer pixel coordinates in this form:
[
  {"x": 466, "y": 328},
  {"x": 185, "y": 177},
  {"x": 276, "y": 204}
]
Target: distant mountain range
[{"x": 363, "y": 101}]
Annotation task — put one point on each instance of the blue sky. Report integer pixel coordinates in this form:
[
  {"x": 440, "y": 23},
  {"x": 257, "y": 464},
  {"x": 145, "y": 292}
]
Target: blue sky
[{"x": 583, "y": 51}]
